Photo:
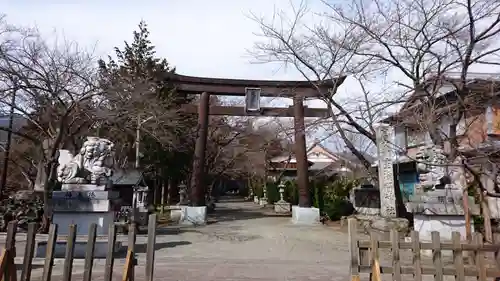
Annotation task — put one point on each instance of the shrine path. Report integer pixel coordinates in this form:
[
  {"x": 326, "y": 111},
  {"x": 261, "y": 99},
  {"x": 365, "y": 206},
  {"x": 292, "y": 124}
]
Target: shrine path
[{"x": 244, "y": 244}]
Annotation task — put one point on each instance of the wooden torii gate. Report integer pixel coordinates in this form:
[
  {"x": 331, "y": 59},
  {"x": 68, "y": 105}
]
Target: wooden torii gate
[{"x": 253, "y": 90}]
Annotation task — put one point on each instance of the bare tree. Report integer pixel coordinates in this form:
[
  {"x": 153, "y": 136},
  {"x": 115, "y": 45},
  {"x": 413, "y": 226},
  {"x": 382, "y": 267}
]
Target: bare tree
[
  {"x": 423, "y": 41},
  {"x": 370, "y": 39},
  {"x": 323, "y": 51},
  {"x": 53, "y": 82}
]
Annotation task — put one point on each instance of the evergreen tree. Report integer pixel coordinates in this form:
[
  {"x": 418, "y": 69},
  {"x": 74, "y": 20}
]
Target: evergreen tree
[{"x": 138, "y": 87}]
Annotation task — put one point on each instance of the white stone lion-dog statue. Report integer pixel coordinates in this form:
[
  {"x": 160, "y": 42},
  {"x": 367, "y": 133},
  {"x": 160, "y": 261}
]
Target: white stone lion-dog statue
[{"x": 93, "y": 163}]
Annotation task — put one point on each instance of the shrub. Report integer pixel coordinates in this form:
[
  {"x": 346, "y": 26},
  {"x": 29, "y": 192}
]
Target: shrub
[
  {"x": 25, "y": 210},
  {"x": 258, "y": 191},
  {"x": 273, "y": 194},
  {"x": 291, "y": 193},
  {"x": 336, "y": 198}
]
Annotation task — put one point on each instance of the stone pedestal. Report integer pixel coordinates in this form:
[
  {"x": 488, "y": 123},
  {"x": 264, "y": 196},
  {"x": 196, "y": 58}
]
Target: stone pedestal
[
  {"x": 305, "y": 216},
  {"x": 193, "y": 215},
  {"x": 263, "y": 201},
  {"x": 282, "y": 207},
  {"x": 381, "y": 227},
  {"x": 439, "y": 210},
  {"x": 82, "y": 204}
]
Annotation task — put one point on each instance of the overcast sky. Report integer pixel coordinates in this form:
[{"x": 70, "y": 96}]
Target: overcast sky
[
  {"x": 205, "y": 38},
  {"x": 198, "y": 37}
]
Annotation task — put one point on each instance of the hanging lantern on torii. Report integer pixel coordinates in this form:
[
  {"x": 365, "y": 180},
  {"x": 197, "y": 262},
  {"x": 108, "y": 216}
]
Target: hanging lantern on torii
[{"x": 252, "y": 100}]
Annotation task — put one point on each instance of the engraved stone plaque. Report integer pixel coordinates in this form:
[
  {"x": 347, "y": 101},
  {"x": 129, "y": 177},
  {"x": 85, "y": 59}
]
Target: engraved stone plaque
[{"x": 385, "y": 172}]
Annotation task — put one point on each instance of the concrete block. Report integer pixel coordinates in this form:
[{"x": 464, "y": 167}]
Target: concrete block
[
  {"x": 193, "y": 215},
  {"x": 445, "y": 225},
  {"x": 83, "y": 221},
  {"x": 305, "y": 216}
]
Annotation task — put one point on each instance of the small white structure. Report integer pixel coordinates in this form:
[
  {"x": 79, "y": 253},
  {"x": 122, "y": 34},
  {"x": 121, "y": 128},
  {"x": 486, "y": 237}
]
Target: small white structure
[{"x": 305, "y": 216}]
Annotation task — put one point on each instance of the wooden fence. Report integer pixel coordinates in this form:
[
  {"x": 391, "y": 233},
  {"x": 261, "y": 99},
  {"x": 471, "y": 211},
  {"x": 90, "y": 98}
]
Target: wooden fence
[
  {"x": 7, "y": 258},
  {"x": 475, "y": 258}
]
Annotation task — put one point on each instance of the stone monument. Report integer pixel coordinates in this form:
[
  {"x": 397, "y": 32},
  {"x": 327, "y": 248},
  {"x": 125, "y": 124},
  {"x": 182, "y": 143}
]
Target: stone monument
[
  {"x": 282, "y": 207},
  {"x": 385, "y": 172},
  {"x": 387, "y": 219},
  {"x": 85, "y": 196}
]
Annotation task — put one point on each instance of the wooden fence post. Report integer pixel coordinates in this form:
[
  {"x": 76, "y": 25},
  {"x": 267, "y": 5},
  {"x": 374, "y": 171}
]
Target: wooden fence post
[
  {"x": 375, "y": 259},
  {"x": 110, "y": 256},
  {"x": 458, "y": 257},
  {"x": 353, "y": 248},
  {"x": 417, "y": 261},
  {"x": 29, "y": 251},
  {"x": 436, "y": 256},
  {"x": 49, "y": 254},
  {"x": 396, "y": 263},
  {"x": 130, "y": 262},
  {"x": 7, "y": 266},
  {"x": 150, "y": 252},
  {"x": 477, "y": 239},
  {"x": 69, "y": 254},
  {"x": 89, "y": 253}
]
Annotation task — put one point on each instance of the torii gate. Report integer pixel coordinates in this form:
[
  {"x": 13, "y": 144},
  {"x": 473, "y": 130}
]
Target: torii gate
[{"x": 253, "y": 90}]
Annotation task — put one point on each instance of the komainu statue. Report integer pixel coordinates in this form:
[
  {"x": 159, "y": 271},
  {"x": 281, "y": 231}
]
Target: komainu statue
[
  {"x": 92, "y": 165},
  {"x": 431, "y": 166}
]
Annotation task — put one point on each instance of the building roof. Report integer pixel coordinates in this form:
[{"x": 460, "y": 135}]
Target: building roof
[
  {"x": 338, "y": 159},
  {"x": 349, "y": 156},
  {"x": 446, "y": 93}
]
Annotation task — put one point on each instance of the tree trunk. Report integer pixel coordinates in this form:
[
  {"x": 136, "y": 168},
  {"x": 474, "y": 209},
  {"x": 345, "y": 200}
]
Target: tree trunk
[{"x": 173, "y": 191}]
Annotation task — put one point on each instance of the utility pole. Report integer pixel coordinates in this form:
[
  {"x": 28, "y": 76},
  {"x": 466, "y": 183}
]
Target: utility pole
[
  {"x": 137, "y": 163},
  {"x": 137, "y": 155},
  {"x": 137, "y": 141},
  {"x": 6, "y": 157}
]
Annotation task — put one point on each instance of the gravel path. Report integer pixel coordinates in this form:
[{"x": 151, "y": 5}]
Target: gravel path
[{"x": 245, "y": 243}]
